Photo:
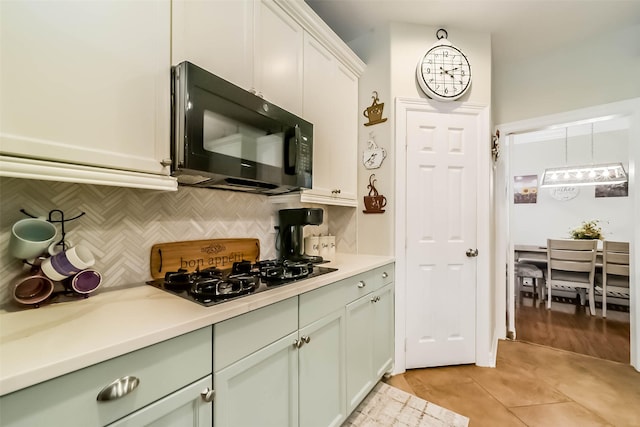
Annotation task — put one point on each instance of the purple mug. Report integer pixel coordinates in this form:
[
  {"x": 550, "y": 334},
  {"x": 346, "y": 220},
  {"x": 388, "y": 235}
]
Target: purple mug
[
  {"x": 66, "y": 264},
  {"x": 86, "y": 281}
]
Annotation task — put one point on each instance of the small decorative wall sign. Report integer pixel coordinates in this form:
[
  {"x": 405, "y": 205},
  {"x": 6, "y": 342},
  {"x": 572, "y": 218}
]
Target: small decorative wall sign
[
  {"x": 374, "y": 112},
  {"x": 525, "y": 189},
  {"x": 373, "y": 156},
  {"x": 564, "y": 193},
  {"x": 375, "y": 201}
]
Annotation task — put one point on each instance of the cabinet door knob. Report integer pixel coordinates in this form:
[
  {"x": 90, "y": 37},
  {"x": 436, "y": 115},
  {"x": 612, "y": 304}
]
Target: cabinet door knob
[
  {"x": 471, "y": 253},
  {"x": 118, "y": 388},
  {"x": 361, "y": 284},
  {"x": 208, "y": 394},
  {"x": 297, "y": 343},
  {"x": 384, "y": 275},
  {"x": 165, "y": 162},
  {"x": 306, "y": 339}
]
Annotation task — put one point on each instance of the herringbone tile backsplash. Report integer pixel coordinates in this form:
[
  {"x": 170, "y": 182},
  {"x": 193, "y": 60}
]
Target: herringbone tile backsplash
[{"x": 121, "y": 224}]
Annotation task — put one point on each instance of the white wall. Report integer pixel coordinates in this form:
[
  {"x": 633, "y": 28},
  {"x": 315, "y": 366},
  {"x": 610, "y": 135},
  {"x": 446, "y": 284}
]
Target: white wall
[
  {"x": 391, "y": 53},
  {"x": 532, "y": 223},
  {"x": 597, "y": 71}
]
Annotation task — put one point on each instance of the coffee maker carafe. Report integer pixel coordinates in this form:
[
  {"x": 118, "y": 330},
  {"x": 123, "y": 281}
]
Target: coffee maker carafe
[{"x": 292, "y": 222}]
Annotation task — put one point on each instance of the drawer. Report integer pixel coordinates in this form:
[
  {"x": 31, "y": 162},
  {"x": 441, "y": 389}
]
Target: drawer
[
  {"x": 322, "y": 301},
  {"x": 240, "y": 336},
  {"x": 71, "y": 400},
  {"x": 370, "y": 281},
  {"x": 318, "y": 303}
]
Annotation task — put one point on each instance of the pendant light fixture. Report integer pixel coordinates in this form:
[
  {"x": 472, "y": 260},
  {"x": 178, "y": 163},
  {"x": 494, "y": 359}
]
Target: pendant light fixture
[{"x": 593, "y": 174}]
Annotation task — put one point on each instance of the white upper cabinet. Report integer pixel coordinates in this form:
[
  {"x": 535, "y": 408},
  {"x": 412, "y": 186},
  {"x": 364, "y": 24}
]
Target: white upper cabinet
[
  {"x": 216, "y": 35},
  {"x": 331, "y": 104},
  {"x": 283, "y": 52},
  {"x": 85, "y": 91},
  {"x": 251, "y": 43}
]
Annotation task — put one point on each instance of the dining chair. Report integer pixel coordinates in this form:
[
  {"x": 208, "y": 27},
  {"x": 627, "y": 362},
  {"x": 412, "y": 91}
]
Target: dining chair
[
  {"x": 615, "y": 270},
  {"x": 533, "y": 272},
  {"x": 572, "y": 263}
]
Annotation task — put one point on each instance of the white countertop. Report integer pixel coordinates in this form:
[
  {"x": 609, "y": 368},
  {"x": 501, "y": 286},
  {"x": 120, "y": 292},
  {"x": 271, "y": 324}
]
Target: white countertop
[{"x": 40, "y": 344}]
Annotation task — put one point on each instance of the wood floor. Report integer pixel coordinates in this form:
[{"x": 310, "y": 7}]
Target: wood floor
[{"x": 569, "y": 326}]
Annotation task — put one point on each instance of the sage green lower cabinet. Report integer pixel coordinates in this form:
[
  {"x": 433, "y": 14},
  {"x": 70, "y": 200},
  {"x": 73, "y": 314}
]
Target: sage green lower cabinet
[
  {"x": 369, "y": 342},
  {"x": 174, "y": 372},
  {"x": 307, "y": 361},
  {"x": 185, "y": 407},
  {"x": 260, "y": 389},
  {"x": 321, "y": 367}
]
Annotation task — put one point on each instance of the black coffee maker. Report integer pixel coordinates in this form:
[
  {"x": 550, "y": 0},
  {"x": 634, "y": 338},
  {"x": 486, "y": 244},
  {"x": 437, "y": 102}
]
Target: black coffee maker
[{"x": 291, "y": 237}]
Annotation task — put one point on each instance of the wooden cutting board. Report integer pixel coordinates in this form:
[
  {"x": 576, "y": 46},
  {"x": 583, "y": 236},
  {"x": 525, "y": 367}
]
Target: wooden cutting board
[{"x": 201, "y": 254}]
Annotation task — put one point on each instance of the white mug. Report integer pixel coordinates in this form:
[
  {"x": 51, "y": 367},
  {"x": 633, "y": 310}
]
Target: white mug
[
  {"x": 325, "y": 247},
  {"x": 67, "y": 263},
  {"x": 30, "y": 237},
  {"x": 312, "y": 245}
]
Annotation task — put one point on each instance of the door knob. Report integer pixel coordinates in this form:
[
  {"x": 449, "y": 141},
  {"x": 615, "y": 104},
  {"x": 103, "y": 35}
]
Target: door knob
[{"x": 472, "y": 253}]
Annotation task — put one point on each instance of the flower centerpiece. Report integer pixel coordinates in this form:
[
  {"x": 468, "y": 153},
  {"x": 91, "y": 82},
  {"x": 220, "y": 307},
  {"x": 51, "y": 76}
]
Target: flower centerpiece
[{"x": 588, "y": 230}]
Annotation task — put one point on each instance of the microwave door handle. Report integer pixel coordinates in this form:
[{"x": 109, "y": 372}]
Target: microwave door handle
[{"x": 291, "y": 152}]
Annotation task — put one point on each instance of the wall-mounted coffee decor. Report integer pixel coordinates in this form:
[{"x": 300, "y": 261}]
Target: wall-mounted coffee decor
[
  {"x": 374, "y": 202},
  {"x": 374, "y": 111},
  {"x": 373, "y": 156}
]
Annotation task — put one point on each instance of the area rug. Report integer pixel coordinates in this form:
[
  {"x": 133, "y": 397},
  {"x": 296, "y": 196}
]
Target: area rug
[{"x": 388, "y": 406}]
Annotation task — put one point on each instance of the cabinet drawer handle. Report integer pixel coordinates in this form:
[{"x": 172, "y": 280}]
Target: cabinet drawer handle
[
  {"x": 118, "y": 388},
  {"x": 384, "y": 275},
  {"x": 208, "y": 394},
  {"x": 361, "y": 284}
]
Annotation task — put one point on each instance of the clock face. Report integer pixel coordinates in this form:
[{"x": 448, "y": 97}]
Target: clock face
[{"x": 444, "y": 73}]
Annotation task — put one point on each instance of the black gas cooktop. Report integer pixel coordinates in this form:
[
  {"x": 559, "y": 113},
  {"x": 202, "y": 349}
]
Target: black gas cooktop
[{"x": 214, "y": 286}]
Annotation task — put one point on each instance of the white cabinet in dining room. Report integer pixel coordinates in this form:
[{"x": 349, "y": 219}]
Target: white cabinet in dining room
[
  {"x": 85, "y": 92},
  {"x": 331, "y": 104},
  {"x": 252, "y": 43},
  {"x": 369, "y": 342}
]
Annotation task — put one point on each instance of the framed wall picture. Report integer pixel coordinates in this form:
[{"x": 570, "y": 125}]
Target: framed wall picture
[
  {"x": 525, "y": 189},
  {"x": 613, "y": 190}
]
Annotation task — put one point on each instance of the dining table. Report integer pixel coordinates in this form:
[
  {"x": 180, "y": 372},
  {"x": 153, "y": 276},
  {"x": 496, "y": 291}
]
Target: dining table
[{"x": 537, "y": 255}]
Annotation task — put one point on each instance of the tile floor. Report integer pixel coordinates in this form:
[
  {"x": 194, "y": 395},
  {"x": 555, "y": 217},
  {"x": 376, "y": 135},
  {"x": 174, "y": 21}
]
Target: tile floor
[{"x": 533, "y": 386}]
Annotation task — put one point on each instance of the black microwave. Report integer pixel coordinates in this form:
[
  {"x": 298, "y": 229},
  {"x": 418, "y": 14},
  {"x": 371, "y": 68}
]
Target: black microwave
[{"x": 225, "y": 137}]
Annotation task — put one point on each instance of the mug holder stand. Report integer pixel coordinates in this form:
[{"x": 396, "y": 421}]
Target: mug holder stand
[{"x": 62, "y": 221}]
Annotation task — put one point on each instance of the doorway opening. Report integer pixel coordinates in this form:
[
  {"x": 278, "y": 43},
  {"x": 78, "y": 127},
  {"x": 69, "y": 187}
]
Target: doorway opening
[{"x": 531, "y": 214}]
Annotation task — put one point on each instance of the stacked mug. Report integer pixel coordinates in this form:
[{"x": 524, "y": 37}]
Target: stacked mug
[
  {"x": 30, "y": 239},
  {"x": 324, "y": 246}
]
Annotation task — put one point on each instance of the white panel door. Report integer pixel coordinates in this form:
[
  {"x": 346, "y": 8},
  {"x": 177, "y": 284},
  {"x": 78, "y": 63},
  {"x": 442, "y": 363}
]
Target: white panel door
[{"x": 440, "y": 228}]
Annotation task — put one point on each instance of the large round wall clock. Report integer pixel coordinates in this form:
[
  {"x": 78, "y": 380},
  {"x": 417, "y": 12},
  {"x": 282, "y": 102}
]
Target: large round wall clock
[{"x": 444, "y": 72}]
